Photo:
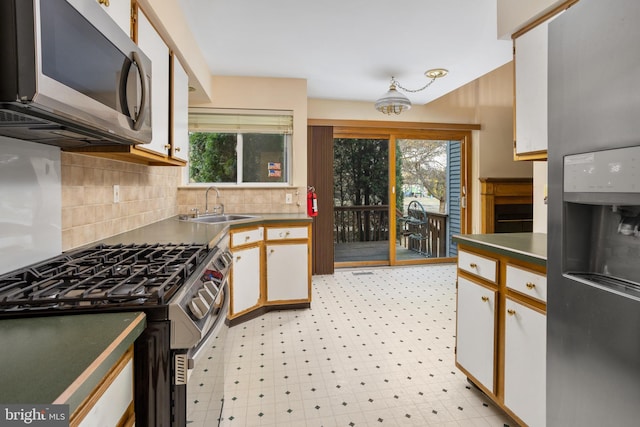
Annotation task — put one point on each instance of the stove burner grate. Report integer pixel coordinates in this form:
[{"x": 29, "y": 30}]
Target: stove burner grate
[{"x": 113, "y": 275}]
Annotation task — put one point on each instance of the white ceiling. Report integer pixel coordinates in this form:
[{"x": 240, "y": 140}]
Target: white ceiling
[{"x": 349, "y": 49}]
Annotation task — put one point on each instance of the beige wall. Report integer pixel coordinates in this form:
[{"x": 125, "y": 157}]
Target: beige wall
[
  {"x": 259, "y": 93},
  {"x": 147, "y": 194},
  {"x": 487, "y": 101}
]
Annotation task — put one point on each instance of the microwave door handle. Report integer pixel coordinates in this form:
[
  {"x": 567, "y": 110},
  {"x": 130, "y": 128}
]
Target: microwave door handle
[{"x": 139, "y": 118}]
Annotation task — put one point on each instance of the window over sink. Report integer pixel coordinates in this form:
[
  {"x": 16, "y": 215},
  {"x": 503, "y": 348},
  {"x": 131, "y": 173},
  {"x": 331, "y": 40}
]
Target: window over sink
[{"x": 240, "y": 147}]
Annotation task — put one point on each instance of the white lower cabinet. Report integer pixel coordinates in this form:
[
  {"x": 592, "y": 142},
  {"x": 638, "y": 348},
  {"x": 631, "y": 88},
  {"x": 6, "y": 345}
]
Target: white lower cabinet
[
  {"x": 270, "y": 268},
  {"x": 287, "y": 272},
  {"x": 476, "y": 320},
  {"x": 525, "y": 362},
  {"x": 245, "y": 279}
]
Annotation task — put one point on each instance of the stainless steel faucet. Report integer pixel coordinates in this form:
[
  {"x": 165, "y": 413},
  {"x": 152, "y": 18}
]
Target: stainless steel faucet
[{"x": 218, "y": 206}]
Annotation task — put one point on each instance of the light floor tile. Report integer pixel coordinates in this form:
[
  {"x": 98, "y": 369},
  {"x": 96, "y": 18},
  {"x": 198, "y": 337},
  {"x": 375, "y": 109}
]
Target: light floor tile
[{"x": 376, "y": 348}]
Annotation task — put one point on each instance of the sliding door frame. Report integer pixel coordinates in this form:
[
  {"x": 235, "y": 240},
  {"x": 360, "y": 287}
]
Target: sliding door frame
[{"x": 409, "y": 130}]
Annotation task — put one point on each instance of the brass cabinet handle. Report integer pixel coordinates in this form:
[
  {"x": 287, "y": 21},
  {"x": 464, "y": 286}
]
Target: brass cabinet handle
[
  {"x": 247, "y": 238},
  {"x": 530, "y": 285},
  {"x": 238, "y": 258},
  {"x": 104, "y": 2},
  {"x": 177, "y": 149},
  {"x": 272, "y": 251},
  {"x": 485, "y": 299},
  {"x": 167, "y": 146},
  {"x": 473, "y": 265},
  {"x": 511, "y": 312}
]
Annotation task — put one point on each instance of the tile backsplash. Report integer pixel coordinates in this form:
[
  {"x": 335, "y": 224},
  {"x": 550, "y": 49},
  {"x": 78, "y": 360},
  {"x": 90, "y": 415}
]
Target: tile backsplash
[
  {"x": 243, "y": 200},
  {"x": 59, "y": 200},
  {"x": 146, "y": 194}
]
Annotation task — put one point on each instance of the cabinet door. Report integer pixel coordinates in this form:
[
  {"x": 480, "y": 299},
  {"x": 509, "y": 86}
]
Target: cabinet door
[
  {"x": 245, "y": 279},
  {"x": 475, "y": 342},
  {"x": 531, "y": 90},
  {"x": 155, "y": 48},
  {"x": 287, "y": 272},
  {"x": 525, "y": 363},
  {"x": 120, "y": 12},
  {"x": 180, "y": 112}
]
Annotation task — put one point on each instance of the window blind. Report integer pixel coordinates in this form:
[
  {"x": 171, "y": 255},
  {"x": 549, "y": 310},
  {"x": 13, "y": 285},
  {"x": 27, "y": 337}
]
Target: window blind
[{"x": 240, "y": 121}]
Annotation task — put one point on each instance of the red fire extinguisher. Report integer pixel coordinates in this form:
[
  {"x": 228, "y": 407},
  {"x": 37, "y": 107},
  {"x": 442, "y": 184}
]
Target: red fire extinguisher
[{"x": 312, "y": 202}]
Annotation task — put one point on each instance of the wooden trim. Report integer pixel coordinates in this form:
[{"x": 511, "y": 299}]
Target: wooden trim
[
  {"x": 265, "y": 309},
  {"x": 497, "y": 191},
  {"x": 128, "y": 153},
  {"x": 566, "y": 5},
  {"x": 537, "y": 155},
  {"x": 78, "y": 383},
  {"x": 395, "y": 126},
  {"x": 85, "y": 407}
]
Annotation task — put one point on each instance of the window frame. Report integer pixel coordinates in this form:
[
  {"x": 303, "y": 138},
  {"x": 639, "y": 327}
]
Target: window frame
[{"x": 241, "y": 122}]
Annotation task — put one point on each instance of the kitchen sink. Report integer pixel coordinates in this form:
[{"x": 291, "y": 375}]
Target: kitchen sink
[{"x": 221, "y": 218}]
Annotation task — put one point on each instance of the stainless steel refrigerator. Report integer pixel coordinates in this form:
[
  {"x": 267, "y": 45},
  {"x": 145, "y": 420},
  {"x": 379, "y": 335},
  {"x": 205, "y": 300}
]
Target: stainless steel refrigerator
[{"x": 593, "y": 309}]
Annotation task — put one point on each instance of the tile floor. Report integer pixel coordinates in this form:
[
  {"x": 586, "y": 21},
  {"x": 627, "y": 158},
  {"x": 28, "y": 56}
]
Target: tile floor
[{"x": 375, "y": 349}]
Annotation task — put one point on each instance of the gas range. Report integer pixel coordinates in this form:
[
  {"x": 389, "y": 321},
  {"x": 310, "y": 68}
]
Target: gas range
[
  {"x": 102, "y": 276},
  {"x": 182, "y": 289}
]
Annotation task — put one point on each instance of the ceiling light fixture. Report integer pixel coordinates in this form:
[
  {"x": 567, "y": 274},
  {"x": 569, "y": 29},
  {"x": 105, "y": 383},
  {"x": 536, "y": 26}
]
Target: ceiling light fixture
[{"x": 394, "y": 102}]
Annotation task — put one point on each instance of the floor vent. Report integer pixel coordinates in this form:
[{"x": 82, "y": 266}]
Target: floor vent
[{"x": 361, "y": 273}]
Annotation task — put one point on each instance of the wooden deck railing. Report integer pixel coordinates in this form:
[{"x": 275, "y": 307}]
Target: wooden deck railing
[
  {"x": 371, "y": 224},
  {"x": 361, "y": 223},
  {"x": 426, "y": 237}
]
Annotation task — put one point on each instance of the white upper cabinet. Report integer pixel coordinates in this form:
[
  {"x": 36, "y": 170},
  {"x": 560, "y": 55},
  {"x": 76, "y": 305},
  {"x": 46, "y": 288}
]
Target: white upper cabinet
[
  {"x": 180, "y": 112},
  {"x": 156, "y": 49},
  {"x": 120, "y": 11},
  {"x": 531, "y": 91}
]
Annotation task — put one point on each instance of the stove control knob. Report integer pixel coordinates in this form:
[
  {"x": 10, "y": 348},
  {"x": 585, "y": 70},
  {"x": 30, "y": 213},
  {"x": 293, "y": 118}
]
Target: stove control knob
[
  {"x": 195, "y": 310},
  {"x": 206, "y": 296},
  {"x": 211, "y": 287},
  {"x": 202, "y": 308}
]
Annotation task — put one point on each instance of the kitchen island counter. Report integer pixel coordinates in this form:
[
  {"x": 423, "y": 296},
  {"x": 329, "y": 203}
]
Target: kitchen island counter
[
  {"x": 529, "y": 247},
  {"x": 62, "y": 359}
]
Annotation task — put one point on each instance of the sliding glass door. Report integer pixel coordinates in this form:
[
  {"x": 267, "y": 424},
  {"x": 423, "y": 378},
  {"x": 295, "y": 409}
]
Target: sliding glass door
[
  {"x": 398, "y": 197},
  {"x": 361, "y": 201},
  {"x": 429, "y": 195}
]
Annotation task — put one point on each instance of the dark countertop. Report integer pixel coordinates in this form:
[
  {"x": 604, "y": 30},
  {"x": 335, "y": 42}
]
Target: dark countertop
[
  {"x": 174, "y": 230},
  {"x": 62, "y": 359},
  {"x": 530, "y": 247}
]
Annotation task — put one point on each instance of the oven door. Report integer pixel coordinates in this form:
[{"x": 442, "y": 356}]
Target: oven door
[{"x": 205, "y": 388}]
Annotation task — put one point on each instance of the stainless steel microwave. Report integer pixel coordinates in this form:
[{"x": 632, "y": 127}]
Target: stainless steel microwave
[{"x": 70, "y": 77}]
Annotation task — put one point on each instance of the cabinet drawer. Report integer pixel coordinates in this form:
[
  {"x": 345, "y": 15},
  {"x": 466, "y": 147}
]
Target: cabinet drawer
[
  {"x": 286, "y": 233},
  {"x": 527, "y": 282},
  {"x": 246, "y": 237},
  {"x": 478, "y": 265}
]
